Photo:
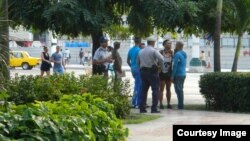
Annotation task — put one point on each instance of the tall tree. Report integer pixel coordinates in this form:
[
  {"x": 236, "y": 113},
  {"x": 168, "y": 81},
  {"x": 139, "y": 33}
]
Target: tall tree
[
  {"x": 4, "y": 40},
  {"x": 217, "y": 66},
  {"x": 91, "y": 17},
  {"x": 240, "y": 17}
]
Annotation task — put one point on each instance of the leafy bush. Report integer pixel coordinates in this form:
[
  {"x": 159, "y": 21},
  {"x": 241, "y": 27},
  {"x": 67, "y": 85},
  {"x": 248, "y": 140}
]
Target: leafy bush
[
  {"x": 226, "y": 91},
  {"x": 73, "y": 117},
  {"x": 115, "y": 92},
  {"x": 26, "y": 89}
]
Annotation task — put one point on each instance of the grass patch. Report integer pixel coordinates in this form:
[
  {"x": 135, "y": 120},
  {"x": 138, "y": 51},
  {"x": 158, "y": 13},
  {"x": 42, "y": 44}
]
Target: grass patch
[{"x": 135, "y": 118}]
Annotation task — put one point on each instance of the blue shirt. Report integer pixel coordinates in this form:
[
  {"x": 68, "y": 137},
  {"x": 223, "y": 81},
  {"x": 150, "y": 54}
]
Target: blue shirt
[
  {"x": 179, "y": 64},
  {"x": 132, "y": 56},
  {"x": 58, "y": 58}
]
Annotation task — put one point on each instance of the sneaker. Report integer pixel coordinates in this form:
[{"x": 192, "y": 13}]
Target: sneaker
[
  {"x": 169, "y": 106},
  {"x": 143, "y": 111},
  {"x": 155, "y": 111},
  {"x": 133, "y": 106},
  {"x": 161, "y": 106}
]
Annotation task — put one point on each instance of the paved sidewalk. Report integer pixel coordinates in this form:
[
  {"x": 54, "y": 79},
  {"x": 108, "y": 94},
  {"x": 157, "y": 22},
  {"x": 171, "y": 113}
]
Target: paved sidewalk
[{"x": 161, "y": 129}]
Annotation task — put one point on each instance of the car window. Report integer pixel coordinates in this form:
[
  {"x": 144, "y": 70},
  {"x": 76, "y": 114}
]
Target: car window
[
  {"x": 17, "y": 54},
  {"x": 27, "y": 54}
]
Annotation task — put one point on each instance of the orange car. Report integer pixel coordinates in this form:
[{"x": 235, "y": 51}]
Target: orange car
[{"x": 23, "y": 59}]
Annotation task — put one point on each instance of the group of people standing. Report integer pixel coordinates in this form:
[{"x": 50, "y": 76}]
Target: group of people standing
[
  {"x": 106, "y": 55},
  {"x": 157, "y": 69},
  {"x": 149, "y": 67}
]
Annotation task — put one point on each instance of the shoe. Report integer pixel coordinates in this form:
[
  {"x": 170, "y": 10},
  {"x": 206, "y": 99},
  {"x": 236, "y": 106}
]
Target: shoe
[
  {"x": 133, "y": 106},
  {"x": 169, "y": 106},
  {"x": 161, "y": 106},
  {"x": 143, "y": 111},
  {"x": 155, "y": 111}
]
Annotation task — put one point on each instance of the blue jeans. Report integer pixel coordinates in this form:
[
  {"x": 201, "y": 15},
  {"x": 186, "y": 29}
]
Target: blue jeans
[
  {"x": 59, "y": 70},
  {"x": 178, "y": 86},
  {"x": 137, "y": 88},
  {"x": 150, "y": 79}
]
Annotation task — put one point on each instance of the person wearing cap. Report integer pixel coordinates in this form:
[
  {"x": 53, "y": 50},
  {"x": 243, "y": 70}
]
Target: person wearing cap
[
  {"x": 148, "y": 59},
  {"x": 135, "y": 70},
  {"x": 117, "y": 60},
  {"x": 102, "y": 58},
  {"x": 179, "y": 72},
  {"x": 165, "y": 73}
]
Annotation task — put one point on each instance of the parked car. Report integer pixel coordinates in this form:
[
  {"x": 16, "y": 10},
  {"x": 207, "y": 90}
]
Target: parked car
[
  {"x": 23, "y": 59},
  {"x": 246, "y": 52}
]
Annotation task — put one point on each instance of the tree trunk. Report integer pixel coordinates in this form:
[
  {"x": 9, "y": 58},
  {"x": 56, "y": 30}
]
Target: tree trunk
[
  {"x": 217, "y": 66},
  {"x": 96, "y": 45},
  {"x": 237, "y": 53},
  {"x": 4, "y": 40}
]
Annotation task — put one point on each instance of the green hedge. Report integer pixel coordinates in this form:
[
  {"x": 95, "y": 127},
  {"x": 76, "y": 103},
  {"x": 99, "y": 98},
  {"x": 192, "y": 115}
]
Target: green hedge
[
  {"x": 26, "y": 89},
  {"x": 73, "y": 117},
  {"x": 226, "y": 91}
]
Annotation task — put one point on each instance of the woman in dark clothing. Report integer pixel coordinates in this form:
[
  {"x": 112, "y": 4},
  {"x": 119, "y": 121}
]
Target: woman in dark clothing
[{"x": 46, "y": 64}]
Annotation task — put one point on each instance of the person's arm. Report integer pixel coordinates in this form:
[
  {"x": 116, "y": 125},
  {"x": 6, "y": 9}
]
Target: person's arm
[
  {"x": 159, "y": 57},
  {"x": 175, "y": 63},
  {"x": 52, "y": 58},
  {"x": 63, "y": 63},
  {"x": 97, "y": 61},
  {"x": 43, "y": 59},
  {"x": 138, "y": 60},
  {"x": 128, "y": 60}
]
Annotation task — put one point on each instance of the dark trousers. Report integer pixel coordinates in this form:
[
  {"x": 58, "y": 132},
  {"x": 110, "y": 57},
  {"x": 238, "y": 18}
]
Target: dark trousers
[{"x": 149, "y": 79}]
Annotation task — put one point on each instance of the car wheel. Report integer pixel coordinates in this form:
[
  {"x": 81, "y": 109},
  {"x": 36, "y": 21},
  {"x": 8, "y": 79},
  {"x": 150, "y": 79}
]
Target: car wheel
[{"x": 25, "y": 66}]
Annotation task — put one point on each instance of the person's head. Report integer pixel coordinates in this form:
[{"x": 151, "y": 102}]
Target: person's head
[
  {"x": 179, "y": 46},
  {"x": 167, "y": 44},
  {"x": 202, "y": 51},
  {"x": 58, "y": 48},
  {"x": 137, "y": 40},
  {"x": 110, "y": 48},
  {"x": 117, "y": 45},
  {"x": 142, "y": 45},
  {"x": 45, "y": 49},
  {"x": 104, "y": 41},
  {"x": 81, "y": 49},
  {"x": 151, "y": 41}
]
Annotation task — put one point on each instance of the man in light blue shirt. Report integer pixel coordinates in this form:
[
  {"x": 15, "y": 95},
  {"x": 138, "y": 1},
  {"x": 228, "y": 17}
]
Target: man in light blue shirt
[
  {"x": 179, "y": 72},
  {"x": 135, "y": 69},
  {"x": 57, "y": 59}
]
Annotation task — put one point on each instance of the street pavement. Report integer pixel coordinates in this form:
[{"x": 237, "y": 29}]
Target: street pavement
[{"x": 162, "y": 129}]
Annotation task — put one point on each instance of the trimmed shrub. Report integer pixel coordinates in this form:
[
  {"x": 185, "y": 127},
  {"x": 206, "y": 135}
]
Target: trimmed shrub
[
  {"x": 226, "y": 91},
  {"x": 73, "y": 117},
  {"x": 27, "y": 89}
]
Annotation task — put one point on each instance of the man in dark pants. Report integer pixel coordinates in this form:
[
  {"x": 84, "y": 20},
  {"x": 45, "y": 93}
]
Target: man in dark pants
[{"x": 148, "y": 59}]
